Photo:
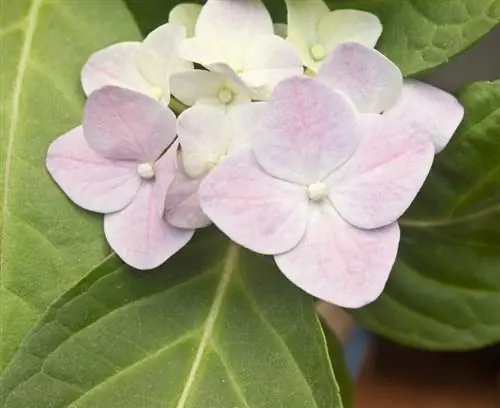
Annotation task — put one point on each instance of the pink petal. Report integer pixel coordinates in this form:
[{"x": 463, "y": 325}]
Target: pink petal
[
  {"x": 89, "y": 180},
  {"x": 254, "y": 209},
  {"x": 139, "y": 234},
  {"x": 434, "y": 110},
  {"x": 378, "y": 184},
  {"x": 306, "y": 132},
  {"x": 372, "y": 81},
  {"x": 115, "y": 65},
  {"x": 339, "y": 263},
  {"x": 122, "y": 124},
  {"x": 182, "y": 205}
]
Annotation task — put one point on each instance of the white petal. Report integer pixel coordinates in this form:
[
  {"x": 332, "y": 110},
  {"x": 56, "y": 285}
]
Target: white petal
[
  {"x": 372, "y": 81},
  {"x": 158, "y": 57},
  {"x": 339, "y": 263},
  {"x": 306, "y": 131},
  {"x": 355, "y": 26},
  {"x": 303, "y": 20},
  {"x": 182, "y": 204},
  {"x": 242, "y": 119},
  {"x": 254, "y": 209},
  {"x": 205, "y": 136},
  {"x": 206, "y": 87},
  {"x": 268, "y": 61},
  {"x": 430, "y": 108},
  {"x": 115, "y": 65},
  {"x": 233, "y": 24},
  {"x": 186, "y": 15},
  {"x": 380, "y": 181}
]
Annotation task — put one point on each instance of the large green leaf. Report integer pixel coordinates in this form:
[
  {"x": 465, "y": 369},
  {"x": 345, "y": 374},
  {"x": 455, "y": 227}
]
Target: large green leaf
[
  {"x": 46, "y": 243},
  {"x": 423, "y": 34},
  {"x": 217, "y": 326},
  {"x": 444, "y": 292}
]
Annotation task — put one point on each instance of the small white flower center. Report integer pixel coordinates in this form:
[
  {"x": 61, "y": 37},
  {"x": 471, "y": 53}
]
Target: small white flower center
[
  {"x": 317, "y": 191},
  {"x": 318, "y": 52},
  {"x": 156, "y": 92},
  {"x": 146, "y": 171},
  {"x": 225, "y": 95}
]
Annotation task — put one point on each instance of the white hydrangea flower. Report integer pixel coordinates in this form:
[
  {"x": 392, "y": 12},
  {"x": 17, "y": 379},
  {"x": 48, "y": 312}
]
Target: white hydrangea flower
[
  {"x": 143, "y": 67},
  {"x": 207, "y": 136},
  {"x": 240, "y": 35},
  {"x": 315, "y": 30},
  {"x": 186, "y": 15}
]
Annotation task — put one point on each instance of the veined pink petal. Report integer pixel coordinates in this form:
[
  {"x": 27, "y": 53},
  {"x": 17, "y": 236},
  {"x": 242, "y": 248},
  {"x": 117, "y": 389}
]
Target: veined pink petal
[
  {"x": 371, "y": 80},
  {"x": 89, "y": 180},
  {"x": 306, "y": 131},
  {"x": 254, "y": 209},
  {"x": 380, "y": 181},
  {"x": 126, "y": 125},
  {"x": 139, "y": 234},
  {"x": 115, "y": 65},
  {"x": 430, "y": 108},
  {"x": 339, "y": 263},
  {"x": 182, "y": 205}
]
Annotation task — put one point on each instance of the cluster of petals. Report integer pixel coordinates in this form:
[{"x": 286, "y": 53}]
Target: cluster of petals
[{"x": 314, "y": 170}]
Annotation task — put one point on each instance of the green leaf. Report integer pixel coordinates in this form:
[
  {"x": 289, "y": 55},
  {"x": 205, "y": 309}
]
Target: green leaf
[
  {"x": 423, "y": 34},
  {"x": 444, "y": 292},
  {"x": 217, "y": 326},
  {"x": 46, "y": 244}
]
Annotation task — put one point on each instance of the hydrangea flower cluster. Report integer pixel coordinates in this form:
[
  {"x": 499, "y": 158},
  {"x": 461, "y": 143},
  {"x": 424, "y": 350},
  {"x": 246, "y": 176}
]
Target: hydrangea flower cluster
[{"x": 299, "y": 141}]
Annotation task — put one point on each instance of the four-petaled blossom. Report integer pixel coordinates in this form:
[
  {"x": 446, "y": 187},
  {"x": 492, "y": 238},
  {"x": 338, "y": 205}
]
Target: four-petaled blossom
[
  {"x": 207, "y": 136},
  {"x": 321, "y": 189},
  {"x": 142, "y": 67},
  {"x": 115, "y": 164},
  {"x": 316, "y": 31},
  {"x": 239, "y": 35},
  {"x": 376, "y": 86}
]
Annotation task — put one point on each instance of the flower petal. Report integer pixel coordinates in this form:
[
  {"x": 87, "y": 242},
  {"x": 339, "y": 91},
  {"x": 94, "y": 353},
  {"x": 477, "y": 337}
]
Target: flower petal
[
  {"x": 89, "y": 180},
  {"x": 436, "y": 111},
  {"x": 139, "y": 234},
  {"x": 352, "y": 26},
  {"x": 233, "y": 24},
  {"x": 205, "y": 136},
  {"x": 204, "y": 87},
  {"x": 254, "y": 209},
  {"x": 126, "y": 125},
  {"x": 158, "y": 57},
  {"x": 380, "y": 181},
  {"x": 303, "y": 20},
  {"x": 372, "y": 81},
  {"x": 339, "y": 263},
  {"x": 186, "y": 15},
  {"x": 306, "y": 132},
  {"x": 269, "y": 60},
  {"x": 182, "y": 205},
  {"x": 115, "y": 65},
  {"x": 281, "y": 30},
  {"x": 242, "y": 118}
]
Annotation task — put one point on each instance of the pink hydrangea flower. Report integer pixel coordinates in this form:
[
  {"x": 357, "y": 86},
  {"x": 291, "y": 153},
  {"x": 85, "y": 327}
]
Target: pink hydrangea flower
[
  {"x": 116, "y": 164},
  {"x": 321, "y": 188},
  {"x": 375, "y": 85}
]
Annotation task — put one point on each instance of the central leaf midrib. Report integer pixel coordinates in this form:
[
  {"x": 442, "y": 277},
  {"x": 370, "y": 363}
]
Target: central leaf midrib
[{"x": 208, "y": 327}]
